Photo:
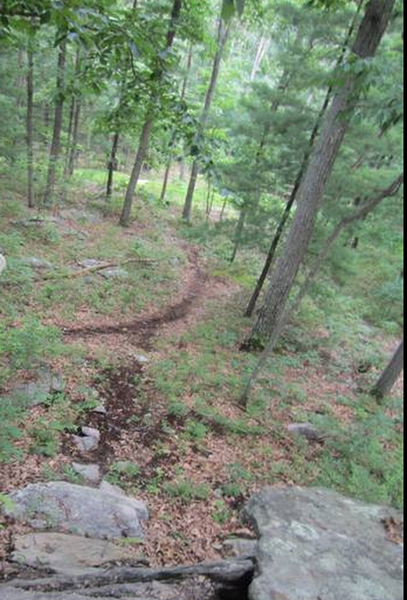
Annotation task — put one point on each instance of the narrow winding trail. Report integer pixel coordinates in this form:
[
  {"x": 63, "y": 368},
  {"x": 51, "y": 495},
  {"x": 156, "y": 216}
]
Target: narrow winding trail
[{"x": 198, "y": 289}]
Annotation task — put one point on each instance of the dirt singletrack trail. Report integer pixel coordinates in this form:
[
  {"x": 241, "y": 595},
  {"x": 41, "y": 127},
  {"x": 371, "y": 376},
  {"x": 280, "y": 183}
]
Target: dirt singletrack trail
[{"x": 198, "y": 288}]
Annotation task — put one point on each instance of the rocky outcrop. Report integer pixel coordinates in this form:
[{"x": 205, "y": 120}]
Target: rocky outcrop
[
  {"x": 315, "y": 544},
  {"x": 105, "y": 512}
]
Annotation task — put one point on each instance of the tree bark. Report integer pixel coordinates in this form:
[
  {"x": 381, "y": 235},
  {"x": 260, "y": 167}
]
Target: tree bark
[
  {"x": 72, "y": 116},
  {"x": 293, "y": 196},
  {"x": 75, "y": 136},
  {"x": 58, "y": 120},
  {"x": 361, "y": 214},
  {"x": 148, "y": 125},
  {"x": 390, "y": 375},
  {"x": 112, "y": 166},
  {"x": 30, "y": 125},
  {"x": 315, "y": 180},
  {"x": 223, "y": 36}
]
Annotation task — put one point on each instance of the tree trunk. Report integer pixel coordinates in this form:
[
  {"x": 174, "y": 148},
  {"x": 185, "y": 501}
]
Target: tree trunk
[
  {"x": 72, "y": 115},
  {"x": 239, "y": 232},
  {"x": 166, "y": 180},
  {"x": 148, "y": 125},
  {"x": 58, "y": 120},
  {"x": 361, "y": 214},
  {"x": 112, "y": 166},
  {"x": 223, "y": 36},
  {"x": 293, "y": 196},
  {"x": 315, "y": 180},
  {"x": 30, "y": 125},
  {"x": 75, "y": 136},
  {"x": 136, "y": 172},
  {"x": 390, "y": 375}
]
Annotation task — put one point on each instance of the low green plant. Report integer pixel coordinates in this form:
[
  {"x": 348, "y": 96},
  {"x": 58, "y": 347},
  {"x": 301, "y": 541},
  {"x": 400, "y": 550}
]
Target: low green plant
[
  {"x": 187, "y": 491},
  {"x": 196, "y": 431},
  {"x": 222, "y": 513}
]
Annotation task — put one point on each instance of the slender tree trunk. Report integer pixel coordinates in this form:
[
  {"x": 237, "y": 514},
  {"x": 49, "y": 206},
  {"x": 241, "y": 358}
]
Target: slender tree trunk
[
  {"x": 58, "y": 121},
  {"x": 390, "y": 375},
  {"x": 223, "y": 36},
  {"x": 73, "y": 116},
  {"x": 75, "y": 137},
  {"x": 30, "y": 125},
  {"x": 166, "y": 180},
  {"x": 314, "y": 183},
  {"x": 174, "y": 135},
  {"x": 239, "y": 232},
  {"x": 361, "y": 214},
  {"x": 263, "y": 48},
  {"x": 148, "y": 125},
  {"x": 112, "y": 166},
  {"x": 293, "y": 196}
]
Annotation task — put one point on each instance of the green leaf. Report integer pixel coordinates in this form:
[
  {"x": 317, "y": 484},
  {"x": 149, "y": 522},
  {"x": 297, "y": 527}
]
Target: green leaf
[{"x": 228, "y": 9}]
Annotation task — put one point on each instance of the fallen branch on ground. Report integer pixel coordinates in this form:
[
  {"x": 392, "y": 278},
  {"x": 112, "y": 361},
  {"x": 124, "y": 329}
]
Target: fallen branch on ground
[
  {"x": 224, "y": 572},
  {"x": 95, "y": 269}
]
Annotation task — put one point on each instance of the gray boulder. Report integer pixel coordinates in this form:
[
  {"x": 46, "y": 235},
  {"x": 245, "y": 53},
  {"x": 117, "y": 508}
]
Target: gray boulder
[
  {"x": 90, "y": 473},
  {"x": 36, "y": 263},
  {"x": 32, "y": 393},
  {"x": 306, "y": 430},
  {"x": 88, "y": 441},
  {"x": 317, "y": 545},
  {"x": 105, "y": 513}
]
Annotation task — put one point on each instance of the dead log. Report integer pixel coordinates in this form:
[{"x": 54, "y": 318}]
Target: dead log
[{"x": 224, "y": 572}]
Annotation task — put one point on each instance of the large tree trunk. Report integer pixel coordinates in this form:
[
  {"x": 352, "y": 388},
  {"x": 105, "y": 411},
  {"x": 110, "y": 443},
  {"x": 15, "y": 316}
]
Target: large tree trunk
[
  {"x": 390, "y": 375},
  {"x": 148, "y": 125},
  {"x": 314, "y": 183},
  {"x": 136, "y": 172},
  {"x": 58, "y": 120},
  {"x": 360, "y": 215},
  {"x": 223, "y": 36},
  {"x": 30, "y": 125},
  {"x": 293, "y": 196}
]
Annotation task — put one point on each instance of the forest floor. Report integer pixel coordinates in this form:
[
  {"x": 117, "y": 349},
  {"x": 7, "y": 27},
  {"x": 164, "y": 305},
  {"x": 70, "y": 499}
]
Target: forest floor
[{"x": 159, "y": 348}]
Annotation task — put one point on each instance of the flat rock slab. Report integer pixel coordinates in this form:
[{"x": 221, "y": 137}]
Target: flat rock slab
[
  {"x": 35, "y": 392},
  {"x": 105, "y": 512},
  {"x": 66, "y": 554},
  {"x": 317, "y": 545}
]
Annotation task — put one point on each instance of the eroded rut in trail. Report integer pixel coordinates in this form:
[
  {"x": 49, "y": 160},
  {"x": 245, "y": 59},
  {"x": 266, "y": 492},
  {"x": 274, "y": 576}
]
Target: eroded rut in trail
[{"x": 143, "y": 330}]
